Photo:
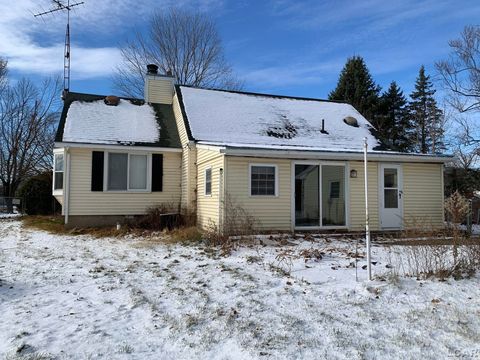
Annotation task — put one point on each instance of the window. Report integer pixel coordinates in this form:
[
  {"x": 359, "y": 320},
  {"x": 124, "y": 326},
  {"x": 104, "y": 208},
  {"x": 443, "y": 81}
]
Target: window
[
  {"x": 58, "y": 172},
  {"x": 335, "y": 190},
  {"x": 138, "y": 172},
  {"x": 127, "y": 172},
  {"x": 208, "y": 181},
  {"x": 263, "y": 180}
]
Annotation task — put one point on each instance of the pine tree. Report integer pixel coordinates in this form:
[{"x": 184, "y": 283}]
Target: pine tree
[
  {"x": 393, "y": 124},
  {"x": 425, "y": 116},
  {"x": 356, "y": 86}
]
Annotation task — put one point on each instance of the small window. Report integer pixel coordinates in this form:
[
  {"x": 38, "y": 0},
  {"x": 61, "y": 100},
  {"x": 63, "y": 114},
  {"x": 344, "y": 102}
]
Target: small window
[
  {"x": 335, "y": 190},
  {"x": 262, "y": 180},
  {"x": 58, "y": 172},
  {"x": 208, "y": 181}
]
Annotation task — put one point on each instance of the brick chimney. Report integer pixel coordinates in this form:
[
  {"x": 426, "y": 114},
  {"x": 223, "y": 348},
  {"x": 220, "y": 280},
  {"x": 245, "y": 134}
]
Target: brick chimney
[{"x": 159, "y": 88}]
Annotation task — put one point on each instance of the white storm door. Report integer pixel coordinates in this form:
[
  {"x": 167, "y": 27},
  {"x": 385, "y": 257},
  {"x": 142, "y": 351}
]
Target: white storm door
[{"x": 391, "y": 196}]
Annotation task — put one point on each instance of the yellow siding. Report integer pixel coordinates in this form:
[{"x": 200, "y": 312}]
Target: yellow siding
[
  {"x": 159, "y": 90},
  {"x": 208, "y": 206},
  {"x": 357, "y": 196},
  {"x": 271, "y": 212},
  {"x": 85, "y": 202},
  {"x": 423, "y": 194},
  {"x": 189, "y": 180}
]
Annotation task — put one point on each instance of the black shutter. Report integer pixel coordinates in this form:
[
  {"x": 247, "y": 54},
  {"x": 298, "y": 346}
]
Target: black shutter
[
  {"x": 97, "y": 170},
  {"x": 157, "y": 172}
]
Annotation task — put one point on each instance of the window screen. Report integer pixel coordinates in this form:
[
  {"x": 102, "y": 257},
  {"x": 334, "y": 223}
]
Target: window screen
[
  {"x": 117, "y": 171},
  {"x": 262, "y": 180},
  {"x": 138, "y": 172}
]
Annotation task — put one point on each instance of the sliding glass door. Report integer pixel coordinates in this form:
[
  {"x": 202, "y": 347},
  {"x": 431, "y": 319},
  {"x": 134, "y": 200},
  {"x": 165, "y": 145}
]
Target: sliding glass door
[
  {"x": 307, "y": 200},
  {"x": 320, "y": 195}
]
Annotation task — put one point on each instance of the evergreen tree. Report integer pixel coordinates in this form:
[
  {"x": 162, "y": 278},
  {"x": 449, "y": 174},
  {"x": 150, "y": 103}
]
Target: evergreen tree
[
  {"x": 425, "y": 116},
  {"x": 393, "y": 124},
  {"x": 356, "y": 86}
]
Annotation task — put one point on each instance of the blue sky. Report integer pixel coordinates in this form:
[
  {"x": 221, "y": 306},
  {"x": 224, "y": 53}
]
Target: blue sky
[{"x": 276, "y": 46}]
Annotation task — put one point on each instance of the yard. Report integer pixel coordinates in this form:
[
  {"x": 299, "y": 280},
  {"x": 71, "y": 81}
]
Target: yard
[{"x": 67, "y": 296}]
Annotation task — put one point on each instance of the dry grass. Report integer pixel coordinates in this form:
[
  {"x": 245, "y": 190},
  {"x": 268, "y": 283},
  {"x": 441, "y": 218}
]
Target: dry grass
[
  {"x": 52, "y": 224},
  {"x": 185, "y": 234}
]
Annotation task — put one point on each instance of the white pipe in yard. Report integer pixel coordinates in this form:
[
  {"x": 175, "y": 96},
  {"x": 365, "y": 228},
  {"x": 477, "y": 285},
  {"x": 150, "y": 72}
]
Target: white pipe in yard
[{"x": 367, "y": 217}]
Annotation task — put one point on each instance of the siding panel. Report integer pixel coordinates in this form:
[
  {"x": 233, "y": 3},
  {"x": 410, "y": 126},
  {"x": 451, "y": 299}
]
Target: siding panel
[
  {"x": 271, "y": 213},
  {"x": 85, "y": 202},
  {"x": 208, "y": 207},
  {"x": 423, "y": 194}
]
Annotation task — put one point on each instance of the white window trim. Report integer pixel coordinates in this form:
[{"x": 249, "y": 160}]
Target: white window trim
[
  {"x": 250, "y": 165},
  {"x": 58, "y": 152},
  {"x": 129, "y": 153},
  {"x": 205, "y": 182}
]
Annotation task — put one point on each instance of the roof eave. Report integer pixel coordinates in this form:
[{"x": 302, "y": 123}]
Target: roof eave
[
  {"x": 326, "y": 154},
  {"x": 130, "y": 147}
]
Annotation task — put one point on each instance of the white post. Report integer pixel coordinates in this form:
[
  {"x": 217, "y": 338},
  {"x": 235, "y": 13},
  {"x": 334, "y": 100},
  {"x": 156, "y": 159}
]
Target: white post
[{"x": 367, "y": 217}]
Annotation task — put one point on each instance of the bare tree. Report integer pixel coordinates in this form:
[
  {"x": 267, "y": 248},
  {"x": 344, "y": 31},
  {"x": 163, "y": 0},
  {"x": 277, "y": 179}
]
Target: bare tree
[
  {"x": 28, "y": 115},
  {"x": 460, "y": 75},
  {"x": 461, "y": 72},
  {"x": 184, "y": 43}
]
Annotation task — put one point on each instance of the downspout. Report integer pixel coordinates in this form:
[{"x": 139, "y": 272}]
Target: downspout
[
  {"x": 67, "y": 186},
  {"x": 221, "y": 200}
]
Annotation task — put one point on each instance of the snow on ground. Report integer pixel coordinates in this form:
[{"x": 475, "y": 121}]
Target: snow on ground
[
  {"x": 9, "y": 215},
  {"x": 95, "y": 122},
  {"x": 80, "y": 297}
]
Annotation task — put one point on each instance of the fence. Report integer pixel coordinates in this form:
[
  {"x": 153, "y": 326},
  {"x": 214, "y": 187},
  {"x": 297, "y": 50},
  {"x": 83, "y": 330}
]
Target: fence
[{"x": 12, "y": 205}]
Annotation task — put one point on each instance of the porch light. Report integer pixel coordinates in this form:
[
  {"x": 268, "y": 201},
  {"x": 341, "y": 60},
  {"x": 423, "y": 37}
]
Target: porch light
[{"x": 353, "y": 173}]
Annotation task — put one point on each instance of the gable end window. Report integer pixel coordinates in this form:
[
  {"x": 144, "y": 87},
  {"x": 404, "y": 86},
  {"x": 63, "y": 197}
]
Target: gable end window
[
  {"x": 127, "y": 172},
  {"x": 263, "y": 180},
  {"x": 208, "y": 182},
  {"x": 58, "y": 172}
]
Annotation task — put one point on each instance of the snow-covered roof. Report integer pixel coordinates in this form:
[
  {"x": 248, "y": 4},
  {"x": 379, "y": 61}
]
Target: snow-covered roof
[
  {"x": 232, "y": 118},
  {"x": 97, "y": 123}
]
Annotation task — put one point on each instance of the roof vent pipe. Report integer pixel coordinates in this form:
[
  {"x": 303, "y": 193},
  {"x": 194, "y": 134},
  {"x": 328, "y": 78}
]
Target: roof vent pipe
[
  {"x": 152, "y": 69},
  {"x": 323, "y": 131}
]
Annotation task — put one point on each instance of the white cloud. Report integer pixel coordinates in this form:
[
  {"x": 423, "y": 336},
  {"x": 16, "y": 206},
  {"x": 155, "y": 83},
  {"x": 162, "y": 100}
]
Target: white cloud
[{"x": 35, "y": 45}]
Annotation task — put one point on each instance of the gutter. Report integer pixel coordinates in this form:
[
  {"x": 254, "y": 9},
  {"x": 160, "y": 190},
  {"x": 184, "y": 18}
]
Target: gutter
[{"x": 332, "y": 155}]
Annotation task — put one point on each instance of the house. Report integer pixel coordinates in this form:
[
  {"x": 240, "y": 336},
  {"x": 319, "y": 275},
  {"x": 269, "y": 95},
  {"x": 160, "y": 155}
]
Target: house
[{"x": 292, "y": 163}]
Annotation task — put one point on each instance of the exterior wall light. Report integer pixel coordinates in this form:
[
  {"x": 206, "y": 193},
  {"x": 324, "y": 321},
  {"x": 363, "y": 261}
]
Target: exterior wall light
[{"x": 353, "y": 173}]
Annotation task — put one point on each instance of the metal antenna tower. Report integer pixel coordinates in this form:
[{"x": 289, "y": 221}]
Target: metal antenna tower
[{"x": 61, "y": 5}]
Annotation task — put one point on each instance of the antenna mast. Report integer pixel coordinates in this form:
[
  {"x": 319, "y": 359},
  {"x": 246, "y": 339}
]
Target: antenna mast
[{"x": 61, "y": 5}]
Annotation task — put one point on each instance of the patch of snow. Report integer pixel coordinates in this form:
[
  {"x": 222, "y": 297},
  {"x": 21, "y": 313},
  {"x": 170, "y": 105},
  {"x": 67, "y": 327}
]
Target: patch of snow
[
  {"x": 97, "y": 123},
  {"x": 9, "y": 215},
  {"x": 228, "y": 118},
  {"x": 80, "y": 297}
]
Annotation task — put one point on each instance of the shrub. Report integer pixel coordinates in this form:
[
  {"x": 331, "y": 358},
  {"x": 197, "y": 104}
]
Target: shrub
[
  {"x": 238, "y": 221},
  {"x": 37, "y": 195},
  {"x": 164, "y": 216}
]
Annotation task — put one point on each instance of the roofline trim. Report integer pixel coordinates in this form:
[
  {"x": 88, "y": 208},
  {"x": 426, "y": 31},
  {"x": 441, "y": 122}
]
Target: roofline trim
[
  {"x": 61, "y": 144},
  {"x": 327, "y": 155},
  {"x": 178, "y": 92}
]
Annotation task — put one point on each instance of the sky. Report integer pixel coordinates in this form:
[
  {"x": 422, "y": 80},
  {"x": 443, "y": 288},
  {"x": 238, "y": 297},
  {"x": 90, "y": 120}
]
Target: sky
[{"x": 283, "y": 47}]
